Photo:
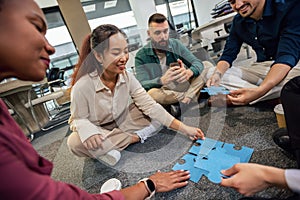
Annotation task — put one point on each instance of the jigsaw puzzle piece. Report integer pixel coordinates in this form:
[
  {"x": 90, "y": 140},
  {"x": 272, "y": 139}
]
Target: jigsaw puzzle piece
[
  {"x": 216, "y": 161},
  {"x": 214, "y": 90},
  {"x": 244, "y": 153},
  {"x": 195, "y": 173},
  {"x": 207, "y": 145},
  {"x": 196, "y": 147}
]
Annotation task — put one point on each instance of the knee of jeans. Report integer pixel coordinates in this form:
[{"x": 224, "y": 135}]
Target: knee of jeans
[
  {"x": 155, "y": 93},
  {"x": 73, "y": 142},
  {"x": 152, "y": 92},
  {"x": 208, "y": 65}
]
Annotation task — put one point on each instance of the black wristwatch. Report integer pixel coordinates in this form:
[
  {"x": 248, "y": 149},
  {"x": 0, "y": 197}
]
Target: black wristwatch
[{"x": 150, "y": 186}]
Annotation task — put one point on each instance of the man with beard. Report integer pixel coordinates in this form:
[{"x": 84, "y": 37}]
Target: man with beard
[
  {"x": 166, "y": 68},
  {"x": 272, "y": 29}
]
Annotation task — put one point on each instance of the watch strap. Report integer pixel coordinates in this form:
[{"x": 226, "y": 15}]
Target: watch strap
[{"x": 149, "y": 188}]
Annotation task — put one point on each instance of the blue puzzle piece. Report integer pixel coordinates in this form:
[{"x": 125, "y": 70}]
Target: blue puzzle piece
[
  {"x": 209, "y": 157},
  {"x": 214, "y": 90},
  {"x": 206, "y": 144},
  {"x": 244, "y": 153},
  {"x": 195, "y": 173},
  {"x": 216, "y": 160}
]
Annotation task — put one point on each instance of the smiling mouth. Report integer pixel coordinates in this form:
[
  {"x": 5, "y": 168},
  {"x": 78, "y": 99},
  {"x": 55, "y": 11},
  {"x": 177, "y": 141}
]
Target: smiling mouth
[
  {"x": 121, "y": 67},
  {"x": 46, "y": 61},
  {"x": 244, "y": 9}
]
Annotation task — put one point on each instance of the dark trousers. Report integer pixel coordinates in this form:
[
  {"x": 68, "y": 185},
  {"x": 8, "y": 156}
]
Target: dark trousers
[{"x": 290, "y": 98}]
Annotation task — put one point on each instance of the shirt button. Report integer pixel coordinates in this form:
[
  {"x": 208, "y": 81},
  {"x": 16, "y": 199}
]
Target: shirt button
[
  {"x": 255, "y": 38},
  {"x": 271, "y": 58}
]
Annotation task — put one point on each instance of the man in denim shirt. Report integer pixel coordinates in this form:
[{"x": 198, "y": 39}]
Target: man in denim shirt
[
  {"x": 272, "y": 29},
  {"x": 168, "y": 85}
]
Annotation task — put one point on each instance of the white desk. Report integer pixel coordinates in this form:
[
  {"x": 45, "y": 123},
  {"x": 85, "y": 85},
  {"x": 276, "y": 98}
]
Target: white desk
[{"x": 196, "y": 33}]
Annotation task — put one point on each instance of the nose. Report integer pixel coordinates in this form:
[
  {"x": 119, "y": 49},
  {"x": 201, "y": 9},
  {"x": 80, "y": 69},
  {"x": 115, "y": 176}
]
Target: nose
[
  {"x": 124, "y": 57},
  {"x": 49, "y": 48},
  {"x": 238, "y": 4}
]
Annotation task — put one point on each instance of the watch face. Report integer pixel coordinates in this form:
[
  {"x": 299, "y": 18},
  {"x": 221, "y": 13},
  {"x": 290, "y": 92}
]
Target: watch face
[{"x": 151, "y": 185}]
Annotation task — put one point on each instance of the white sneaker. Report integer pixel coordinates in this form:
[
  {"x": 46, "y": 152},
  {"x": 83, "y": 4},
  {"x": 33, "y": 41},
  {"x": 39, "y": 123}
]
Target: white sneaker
[
  {"x": 149, "y": 131},
  {"x": 110, "y": 158},
  {"x": 110, "y": 185}
]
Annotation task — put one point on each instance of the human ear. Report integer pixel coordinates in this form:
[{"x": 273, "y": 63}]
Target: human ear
[{"x": 98, "y": 57}]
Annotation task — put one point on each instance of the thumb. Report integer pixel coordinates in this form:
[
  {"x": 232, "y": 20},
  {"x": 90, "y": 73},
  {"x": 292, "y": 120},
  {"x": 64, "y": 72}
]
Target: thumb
[
  {"x": 234, "y": 92},
  {"x": 229, "y": 172},
  {"x": 180, "y": 62}
]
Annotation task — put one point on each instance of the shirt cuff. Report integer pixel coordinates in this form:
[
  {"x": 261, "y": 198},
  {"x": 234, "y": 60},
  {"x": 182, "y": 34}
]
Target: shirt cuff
[
  {"x": 292, "y": 177},
  {"x": 286, "y": 59},
  {"x": 195, "y": 71}
]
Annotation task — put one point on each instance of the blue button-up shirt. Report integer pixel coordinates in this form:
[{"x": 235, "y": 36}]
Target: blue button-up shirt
[{"x": 276, "y": 36}]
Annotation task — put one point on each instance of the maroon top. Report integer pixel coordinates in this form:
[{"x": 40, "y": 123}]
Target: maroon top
[{"x": 26, "y": 175}]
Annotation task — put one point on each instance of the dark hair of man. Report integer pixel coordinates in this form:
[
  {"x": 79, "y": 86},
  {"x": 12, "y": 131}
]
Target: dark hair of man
[
  {"x": 157, "y": 18},
  {"x": 97, "y": 41}
]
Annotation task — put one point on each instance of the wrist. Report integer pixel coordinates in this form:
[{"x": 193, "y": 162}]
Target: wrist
[
  {"x": 190, "y": 73},
  {"x": 218, "y": 74},
  {"x": 274, "y": 176},
  {"x": 149, "y": 186}
]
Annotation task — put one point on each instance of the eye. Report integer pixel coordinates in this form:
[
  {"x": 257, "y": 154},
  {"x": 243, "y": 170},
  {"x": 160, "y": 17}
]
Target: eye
[
  {"x": 38, "y": 28},
  {"x": 157, "y": 32},
  {"x": 116, "y": 53}
]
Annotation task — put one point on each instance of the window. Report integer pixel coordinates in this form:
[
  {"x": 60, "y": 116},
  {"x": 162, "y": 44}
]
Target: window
[
  {"x": 114, "y": 12},
  {"x": 180, "y": 13},
  {"x": 58, "y": 35}
]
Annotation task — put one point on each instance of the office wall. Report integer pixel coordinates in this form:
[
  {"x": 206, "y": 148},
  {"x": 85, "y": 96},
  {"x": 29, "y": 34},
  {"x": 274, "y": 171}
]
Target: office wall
[
  {"x": 46, "y": 3},
  {"x": 203, "y": 8}
]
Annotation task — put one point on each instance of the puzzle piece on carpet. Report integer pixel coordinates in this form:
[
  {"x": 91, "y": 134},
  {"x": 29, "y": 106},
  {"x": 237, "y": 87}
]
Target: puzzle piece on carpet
[
  {"x": 205, "y": 146},
  {"x": 214, "y": 90},
  {"x": 189, "y": 161},
  {"x": 214, "y": 163},
  {"x": 244, "y": 153},
  {"x": 211, "y": 156}
]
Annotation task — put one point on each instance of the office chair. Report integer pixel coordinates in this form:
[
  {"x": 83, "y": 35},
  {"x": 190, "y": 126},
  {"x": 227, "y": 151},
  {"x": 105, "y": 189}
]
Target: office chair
[
  {"x": 13, "y": 112},
  {"x": 44, "y": 98},
  {"x": 220, "y": 41}
]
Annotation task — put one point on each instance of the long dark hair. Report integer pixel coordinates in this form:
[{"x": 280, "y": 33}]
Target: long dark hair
[{"x": 98, "y": 41}]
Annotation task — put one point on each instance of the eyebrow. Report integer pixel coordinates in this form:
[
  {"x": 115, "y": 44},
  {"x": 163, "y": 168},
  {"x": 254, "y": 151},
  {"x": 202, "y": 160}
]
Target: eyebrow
[{"x": 159, "y": 31}]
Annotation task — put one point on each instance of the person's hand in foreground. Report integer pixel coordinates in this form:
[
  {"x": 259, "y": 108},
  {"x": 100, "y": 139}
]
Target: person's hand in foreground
[
  {"x": 243, "y": 96},
  {"x": 214, "y": 80},
  {"x": 192, "y": 132},
  {"x": 167, "y": 181},
  {"x": 250, "y": 178},
  {"x": 94, "y": 142},
  {"x": 163, "y": 181}
]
